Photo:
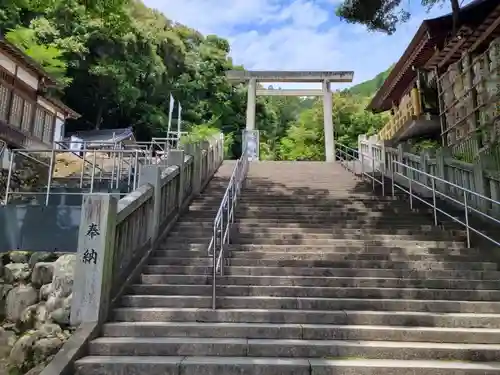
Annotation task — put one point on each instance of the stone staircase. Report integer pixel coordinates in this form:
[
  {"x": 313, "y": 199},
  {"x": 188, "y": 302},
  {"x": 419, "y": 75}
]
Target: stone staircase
[{"x": 322, "y": 278}]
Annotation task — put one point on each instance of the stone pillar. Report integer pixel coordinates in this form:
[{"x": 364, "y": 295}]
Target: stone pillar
[
  {"x": 252, "y": 93},
  {"x": 176, "y": 157},
  {"x": 94, "y": 263},
  {"x": 328, "y": 123},
  {"x": 151, "y": 174}
]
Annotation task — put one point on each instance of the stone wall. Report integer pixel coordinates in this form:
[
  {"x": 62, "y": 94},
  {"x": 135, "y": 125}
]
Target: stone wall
[{"x": 35, "y": 304}]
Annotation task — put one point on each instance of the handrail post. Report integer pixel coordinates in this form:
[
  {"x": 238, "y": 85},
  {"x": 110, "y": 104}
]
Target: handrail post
[
  {"x": 434, "y": 201},
  {"x": 467, "y": 228}
]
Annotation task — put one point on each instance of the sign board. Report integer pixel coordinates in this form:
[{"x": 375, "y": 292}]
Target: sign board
[{"x": 251, "y": 144}]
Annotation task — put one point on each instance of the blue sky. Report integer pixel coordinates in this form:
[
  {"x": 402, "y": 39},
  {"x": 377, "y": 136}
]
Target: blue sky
[{"x": 296, "y": 34}]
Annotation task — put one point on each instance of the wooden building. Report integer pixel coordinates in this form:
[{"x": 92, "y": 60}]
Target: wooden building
[
  {"x": 439, "y": 74},
  {"x": 29, "y": 118}
]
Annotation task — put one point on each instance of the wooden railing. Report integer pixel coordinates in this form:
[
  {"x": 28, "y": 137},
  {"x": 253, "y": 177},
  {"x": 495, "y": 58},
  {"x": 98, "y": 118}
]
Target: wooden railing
[
  {"x": 410, "y": 107},
  {"x": 474, "y": 177},
  {"x": 116, "y": 237}
]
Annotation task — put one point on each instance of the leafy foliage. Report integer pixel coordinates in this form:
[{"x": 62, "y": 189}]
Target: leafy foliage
[
  {"x": 118, "y": 61},
  {"x": 385, "y": 15},
  {"x": 370, "y": 87}
]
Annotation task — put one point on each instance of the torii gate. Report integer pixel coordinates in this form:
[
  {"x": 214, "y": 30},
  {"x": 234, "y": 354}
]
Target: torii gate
[{"x": 325, "y": 78}]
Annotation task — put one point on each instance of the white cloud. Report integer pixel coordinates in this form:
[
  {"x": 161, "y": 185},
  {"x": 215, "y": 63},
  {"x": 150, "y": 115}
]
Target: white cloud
[{"x": 294, "y": 34}]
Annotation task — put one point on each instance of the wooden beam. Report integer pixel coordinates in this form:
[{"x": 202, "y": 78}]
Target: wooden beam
[{"x": 488, "y": 31}]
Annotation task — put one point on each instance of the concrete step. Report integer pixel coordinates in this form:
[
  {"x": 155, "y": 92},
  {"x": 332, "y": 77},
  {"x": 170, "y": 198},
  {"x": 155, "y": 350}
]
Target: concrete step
[
  {"x": 114, "y": 365},
  {"x": 196, "y": 346},
  {"x": 377, "y": 264},
  {"x": 329, "y": 254},
  {"x": 360, "y": 222},
  {"x": 193, "y": 229},
  {"x": 290, "y": 240},
  {"x": 346, "y": 256},
  {"x": 296, "y": 316},
  {"x": 310, "y": 303},
  {"x": 385, "y": 250},
  {"x": 273, "y": 233},
  {"x": 255, "y": 224},
  {"x": 301, "y": 331},
  {"x": 321, "y": 281},
  {"x": 327, "y": 210},
  {"x": 291, "y": 236},
  {"x": 319, "y": 292},
  {"x": 408, "y": 273}
]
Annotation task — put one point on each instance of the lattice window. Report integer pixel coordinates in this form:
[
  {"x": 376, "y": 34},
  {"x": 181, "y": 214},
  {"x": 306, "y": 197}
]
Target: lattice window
[
  {"x": 4, "y": 101},
  {"x": 27, "y": 112},
  {"x": 16, "y": 111},
  {"x": 38, "y": 125},
  {"x": 48, "y": 127}
]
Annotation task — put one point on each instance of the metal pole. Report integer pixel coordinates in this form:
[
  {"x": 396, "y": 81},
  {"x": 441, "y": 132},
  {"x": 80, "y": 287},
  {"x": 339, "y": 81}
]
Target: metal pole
[
  {"x": 130, "y": 166},
  {"x": 392, "y": 182},
  {"x": 467, "y": 228},
  {"x": 136, "y": 172},
  {"x": 83, "y": 170},
  {"x": 373, "y": 173},
  {"x": 9, "y": 176},
  {"x": 92, "y": 176},
  {"x": 114, "y": 166},
  {"x": 51, "y": 172},
  {"x": 434, "y": 200},
  {"x": 214, "y": 265},
  {"x": 119, "y": 170},
  {"x": 411, "y": 194}
]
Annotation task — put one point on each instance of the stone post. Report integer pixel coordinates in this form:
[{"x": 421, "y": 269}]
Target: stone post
[
  {"x": 480, "y": 185},
  {"x": 94, "y": 262},
  {"x": 328, "y": 123},
  {"x": 251, "y": 95},
  {"x": 151, "y": 174},
  {"x": 176, "y": 157},
  {"x": 441, "y": 155}
]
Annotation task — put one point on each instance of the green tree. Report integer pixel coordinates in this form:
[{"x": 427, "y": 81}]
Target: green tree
[{"x": 385, "y": 15}]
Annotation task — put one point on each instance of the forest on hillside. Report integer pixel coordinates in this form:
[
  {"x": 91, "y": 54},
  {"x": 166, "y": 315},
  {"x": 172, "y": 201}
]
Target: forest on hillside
[{"x": 117, "y": 62}]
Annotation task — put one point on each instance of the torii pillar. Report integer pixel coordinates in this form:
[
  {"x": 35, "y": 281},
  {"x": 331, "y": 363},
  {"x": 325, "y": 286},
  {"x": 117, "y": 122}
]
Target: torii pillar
[{"x": 325, "y": 78}]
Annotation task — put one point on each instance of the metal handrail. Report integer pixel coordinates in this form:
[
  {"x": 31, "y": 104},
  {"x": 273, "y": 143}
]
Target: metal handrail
[
  {"x": 394, "y": 168},
  {"x": 223, "y": 220}
]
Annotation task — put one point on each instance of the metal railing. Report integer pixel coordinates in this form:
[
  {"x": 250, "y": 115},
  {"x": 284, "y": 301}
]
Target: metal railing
[
  {"x": 355, "y": 161},
  {"x": 223, "y": 220}
]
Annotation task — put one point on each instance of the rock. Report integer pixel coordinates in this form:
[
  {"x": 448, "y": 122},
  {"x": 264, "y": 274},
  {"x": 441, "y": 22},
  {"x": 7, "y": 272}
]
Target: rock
[
  {"x": 53, "y": 302},
  {"x": 46, "y": 347},
  {"x": 62, "y": 281},
  {"x": 42, "y": 273},
  {"x": 22, "y": 349},
  {"x": 18, "y": 256},
  {"x": 45, "y": 291},
  {"x": 36, "y": 370},
  {"x": 50, "y": 330},
  {"x": 16, "y": 272},
  {"x": 41, "y": 314},
  {"x": 41, "y": 256},
  {"x": 60, "y": 316},
  {"x": 7, "y": 339},
  {"x": 19, "y": 298}
]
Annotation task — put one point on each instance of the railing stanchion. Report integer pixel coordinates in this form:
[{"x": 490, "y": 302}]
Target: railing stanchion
[
  {"x": 413, "y": 176},
  {"x": 467, "y": 228},
  {"x": 434, "y": 201}
]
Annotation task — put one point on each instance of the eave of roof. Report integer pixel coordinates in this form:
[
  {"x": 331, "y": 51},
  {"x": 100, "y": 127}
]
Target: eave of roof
[
  {"x": 28, "y": 61},
  {"x": 402, "y": 74}
]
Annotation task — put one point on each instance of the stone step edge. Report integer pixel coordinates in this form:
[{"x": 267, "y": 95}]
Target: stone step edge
[
  {"x": 290, "y": 363},
  {"x": 300, "y": 287},
  {"x": 291, "y": 343},
  {"x": 301, "y": 326},
  {"x": 271, "y": 298}
]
